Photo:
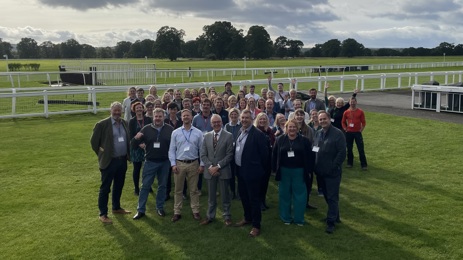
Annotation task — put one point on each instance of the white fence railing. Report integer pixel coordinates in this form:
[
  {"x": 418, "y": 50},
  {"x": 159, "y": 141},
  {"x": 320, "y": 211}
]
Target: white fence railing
[
  {"x": 27, "y": 102},
  {"x": 122, "y": 74}
]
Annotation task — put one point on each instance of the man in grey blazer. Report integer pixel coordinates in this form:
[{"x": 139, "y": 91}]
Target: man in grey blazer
[
  {"x": 216, "y": 154},
  {"x": 110, "y": 142}
]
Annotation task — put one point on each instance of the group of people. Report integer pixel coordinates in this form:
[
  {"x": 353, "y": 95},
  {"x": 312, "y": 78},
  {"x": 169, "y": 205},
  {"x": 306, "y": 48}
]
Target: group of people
[{"x": 225, "y": 138}]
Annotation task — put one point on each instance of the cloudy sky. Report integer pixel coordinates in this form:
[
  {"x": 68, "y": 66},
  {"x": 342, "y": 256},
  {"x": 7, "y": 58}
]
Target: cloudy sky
[{"x": 375, "y": 24}]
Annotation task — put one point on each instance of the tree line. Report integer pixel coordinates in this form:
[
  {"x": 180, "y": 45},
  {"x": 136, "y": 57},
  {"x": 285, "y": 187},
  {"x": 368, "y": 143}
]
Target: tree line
[{"x": 219, "y": 41}]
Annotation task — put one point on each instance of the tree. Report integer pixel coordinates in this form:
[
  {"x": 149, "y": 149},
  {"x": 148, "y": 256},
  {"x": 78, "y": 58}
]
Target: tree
[
  {"x": 387, "y": 52},
  {"x": 168, "y": 43},
  {"x": 258, "y": 43},
  {"x": 49, "y": 50},
  {"x": 280, "y": 46},
  {"x": 5, "y": 48},
  {"x": 351, "y": 48},
  {"x": 104, "y": 53},
  {"x": 147, "y": 46},
  {"x": 218, "y": 38},
  {"x": 122, "y": 49},
  {"x": 70, "y": 49},
  {"x": 237, "y": 46},
  {"x": 87, "y": 51},
  {"x": 190, "y": 49},
  {"x": 294, "y": 48},
  {"x": 28, "y": 48},
  {"x": 444, "y": 47},
  {"x": 316, "y": 51},
  {"x": 331, "y": 48},
  {"x": 458, "y": 50}
]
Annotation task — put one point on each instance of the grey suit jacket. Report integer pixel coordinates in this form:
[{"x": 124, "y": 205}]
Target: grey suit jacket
[
  {"x": 223, "y": 154},
  {"x": 102, "y": 141}
]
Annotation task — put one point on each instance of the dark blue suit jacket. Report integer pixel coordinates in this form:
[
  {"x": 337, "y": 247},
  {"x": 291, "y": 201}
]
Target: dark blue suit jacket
[{"x": 255, "y": 155}]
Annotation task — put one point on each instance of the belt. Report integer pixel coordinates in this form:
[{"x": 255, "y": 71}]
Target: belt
[
  {"x": 188, "y": 161},
  {"x": 123, "y": 157}
]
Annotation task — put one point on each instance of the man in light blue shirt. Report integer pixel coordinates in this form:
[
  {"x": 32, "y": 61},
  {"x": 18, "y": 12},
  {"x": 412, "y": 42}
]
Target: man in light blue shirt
[{"x": 185, "y": 144}]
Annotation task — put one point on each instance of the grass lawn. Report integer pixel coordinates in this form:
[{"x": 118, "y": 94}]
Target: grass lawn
[{"x": 406, "y": 206}]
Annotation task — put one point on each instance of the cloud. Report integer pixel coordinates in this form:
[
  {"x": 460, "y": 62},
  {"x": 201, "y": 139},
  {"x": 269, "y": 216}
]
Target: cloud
[
  {"x": 96, "y": 39},
  {"x": 87, "y": 4}
]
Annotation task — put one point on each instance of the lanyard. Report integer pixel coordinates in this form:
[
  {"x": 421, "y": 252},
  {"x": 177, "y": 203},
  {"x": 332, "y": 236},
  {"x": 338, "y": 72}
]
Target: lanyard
[
  {"x": 243, "y": 136},
  {"x": 290, "y": 143},
  {"x": 187, "y": 139},
  {"x": 142, "y": 123}
]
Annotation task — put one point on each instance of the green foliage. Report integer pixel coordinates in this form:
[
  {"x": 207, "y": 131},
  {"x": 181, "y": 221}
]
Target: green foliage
[{"x": 404, "y": 207}]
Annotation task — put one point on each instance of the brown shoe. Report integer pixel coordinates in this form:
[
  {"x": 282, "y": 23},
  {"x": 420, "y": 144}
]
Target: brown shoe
[
  {"x": 196, "y": 216},
  {"x": 228, "y": 222},
  {"x": 121, "y": 211},
  {"x": 254, "y": 232},
  {"x": 105, "y": 220},
  {"x": 242, "y": 223},
  {"x": 206, "y": 222},
  {"x": 176, "y": 217}
]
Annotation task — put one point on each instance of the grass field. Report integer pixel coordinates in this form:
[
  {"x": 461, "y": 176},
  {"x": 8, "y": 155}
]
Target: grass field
[{"x": 408, "y": 205}]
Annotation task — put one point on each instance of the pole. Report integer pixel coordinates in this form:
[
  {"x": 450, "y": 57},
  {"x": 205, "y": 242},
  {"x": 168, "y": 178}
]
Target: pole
[{"x": 7, "y": 67}]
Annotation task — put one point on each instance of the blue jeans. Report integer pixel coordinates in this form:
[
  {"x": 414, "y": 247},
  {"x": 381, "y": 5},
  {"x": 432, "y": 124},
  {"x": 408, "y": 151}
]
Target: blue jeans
[
  {"x": 114, "y": 174},
  {"x": 150, "y": 171}
]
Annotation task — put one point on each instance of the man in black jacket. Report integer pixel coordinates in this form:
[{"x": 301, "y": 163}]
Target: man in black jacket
[
  {"x": 156, "y": 139},
  {"x": 330, "y": 149}
]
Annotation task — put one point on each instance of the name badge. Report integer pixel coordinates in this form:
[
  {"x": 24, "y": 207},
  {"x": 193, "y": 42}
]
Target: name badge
[
  {"x": 156, "y": 145},
  {"x": 351, "y": 125},
  {"x": 120, "y": 139},
  {"x": 186, "y": 149},
  {"x": 238, "y": 148},
  {"x": 332, "y": 120},
  {"x": 315, "y": 149},
  {"x": 291, "y": 154}
]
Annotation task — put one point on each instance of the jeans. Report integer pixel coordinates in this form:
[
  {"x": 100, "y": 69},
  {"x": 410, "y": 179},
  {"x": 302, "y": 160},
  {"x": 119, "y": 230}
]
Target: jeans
[
  {"x": 357, "y": 136},
  {"x": 150, "y": 171},
  {"x": 114, "y": 172}
]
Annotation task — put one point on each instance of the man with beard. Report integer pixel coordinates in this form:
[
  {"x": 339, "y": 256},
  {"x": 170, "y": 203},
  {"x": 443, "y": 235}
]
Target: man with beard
[
  {"x": 313, "y": 102},
  {"x": 156, "y": 137},
  {"x": 110, "y": 142}
]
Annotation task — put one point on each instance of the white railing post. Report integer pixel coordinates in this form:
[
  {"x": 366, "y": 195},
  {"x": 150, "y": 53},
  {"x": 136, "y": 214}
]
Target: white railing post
[
  {"x": 94, "y": 100},
  {"x": 13, "y": 102},
  {"x": 399, "y": 81},
  {"x": 45, "y": 103},
  {"x": 362, "y": 85},
  {"x": 341, "y": 87}
]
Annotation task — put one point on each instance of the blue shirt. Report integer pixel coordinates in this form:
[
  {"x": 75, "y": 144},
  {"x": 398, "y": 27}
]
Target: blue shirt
[
  {"x": 240, "y": 145},
  {"x": 185, "y": 144},
  {"x": 119, "y": 139},
  {"x": 202, "y": 123}
]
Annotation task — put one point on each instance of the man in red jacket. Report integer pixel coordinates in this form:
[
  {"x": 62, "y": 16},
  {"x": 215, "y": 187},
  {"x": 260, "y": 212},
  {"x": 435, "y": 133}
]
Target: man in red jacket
[{"x": 353, "y": 123}]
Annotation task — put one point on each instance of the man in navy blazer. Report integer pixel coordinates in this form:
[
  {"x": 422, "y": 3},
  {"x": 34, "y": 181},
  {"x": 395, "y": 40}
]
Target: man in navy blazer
[{"x": 250, "y": 159}]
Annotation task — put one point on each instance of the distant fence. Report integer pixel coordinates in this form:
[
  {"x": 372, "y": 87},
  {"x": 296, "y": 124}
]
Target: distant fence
[
  {"x": 27, "y": 102},
  {"x": 438, "y": 98},
  {"x": 123, "y": 74}
]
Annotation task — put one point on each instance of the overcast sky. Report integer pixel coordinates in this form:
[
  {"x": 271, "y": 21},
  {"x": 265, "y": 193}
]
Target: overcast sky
[{"x": 374, "y": 23}]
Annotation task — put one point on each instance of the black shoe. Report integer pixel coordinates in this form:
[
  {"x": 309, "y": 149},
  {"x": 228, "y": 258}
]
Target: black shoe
[
  {"x": 262, "y": 207},
  {"x": 265, "y": 205},
  {"x": 161, "y": 212},
  {"x": 184, "y": 197},
  {"x": 337, "y": 220},
  {"x": 308, "y": 206},
  {"x": 136, "y": 193},
  {"x": 167, "y": 197},
  {"x": 139, "y": 215},
  {"x": 329, "y": 229}
]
